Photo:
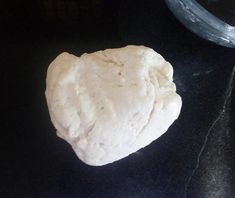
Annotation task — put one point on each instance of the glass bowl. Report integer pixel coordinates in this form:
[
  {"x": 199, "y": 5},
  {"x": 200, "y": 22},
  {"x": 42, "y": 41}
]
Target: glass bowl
[{"x": 202, "y": 22}]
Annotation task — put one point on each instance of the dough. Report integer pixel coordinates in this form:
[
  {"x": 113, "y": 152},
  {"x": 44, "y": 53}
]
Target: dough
[{"x": 111, "y": 103}]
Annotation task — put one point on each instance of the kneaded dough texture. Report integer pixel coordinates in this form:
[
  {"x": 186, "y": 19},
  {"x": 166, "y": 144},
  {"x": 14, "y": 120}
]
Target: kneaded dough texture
[{"x": 111, "y": 103}]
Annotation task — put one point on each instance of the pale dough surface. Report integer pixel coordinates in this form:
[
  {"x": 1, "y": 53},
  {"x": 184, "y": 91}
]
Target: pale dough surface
[{"x": 111, "y": 103}]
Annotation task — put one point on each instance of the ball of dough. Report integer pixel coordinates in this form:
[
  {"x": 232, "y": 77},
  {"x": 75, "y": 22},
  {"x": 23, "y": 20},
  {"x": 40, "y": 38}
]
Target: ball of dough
[{"x": 111, "y": 103}]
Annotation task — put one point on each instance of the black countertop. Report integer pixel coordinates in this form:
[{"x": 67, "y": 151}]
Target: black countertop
[{"x": 195, "y": 158}]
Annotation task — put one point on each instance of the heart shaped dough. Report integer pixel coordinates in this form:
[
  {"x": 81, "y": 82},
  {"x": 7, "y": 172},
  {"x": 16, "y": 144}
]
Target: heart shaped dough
[{"x": 111, "y": 103}]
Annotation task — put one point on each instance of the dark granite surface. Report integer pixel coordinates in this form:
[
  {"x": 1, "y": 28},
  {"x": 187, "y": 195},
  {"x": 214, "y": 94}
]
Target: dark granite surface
[{"x": 195, "y": 158}]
